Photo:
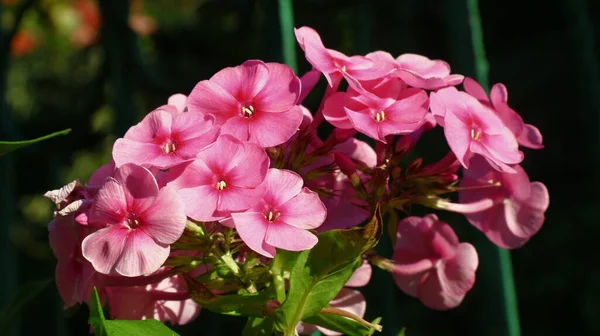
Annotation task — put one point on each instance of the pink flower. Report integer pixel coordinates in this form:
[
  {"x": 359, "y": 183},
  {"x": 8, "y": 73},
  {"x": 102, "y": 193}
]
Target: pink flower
[
  {"x": 421, "y": 72},
  {"x": 254, "y": 102},
  {"x": 224, "y": 177},
  {"x": 387, "y": 108},
  {"x": 282, "y": 216},
  {"x": 75, "y": 276},
  {"x": 349, "y": 300},
  {"x": 430, "y": 263},
  {"x": 137, "y": 223},
  {"x": 165, "y": 138},
  {"x": 333, "y": 64},
  {"x": 473, "y": 128},
  {"x": 166, "y": 301},
  {"x": 527, "y": 135},
  {"x": 519, "y": 205}
]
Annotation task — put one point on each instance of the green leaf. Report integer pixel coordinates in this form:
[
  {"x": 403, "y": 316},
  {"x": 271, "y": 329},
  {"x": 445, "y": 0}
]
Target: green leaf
[
  {"x": 25, "y": 294},
  {"x": 104, "y": 327},
  {"x": 338, "y": 323},
  {"x": 247, "y": 305},
  {"x": 258, "y": 326},
  {"x": 9, "y": 146},
  {"x": 320, "y": 273}
]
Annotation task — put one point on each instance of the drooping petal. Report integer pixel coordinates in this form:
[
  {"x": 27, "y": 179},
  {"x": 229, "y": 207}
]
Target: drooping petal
[
  {"x": 315, "y": 52},
  {"x": 304, "y": 211},
  {"x": 252, "y": 228},
  {"x": 289, "y": 237},
  {"x": 165, "y": 220},
  {"x": 103, "y": 247},
  {"x": 334, "y": 110},
  {"x": 141, "y": 255}
]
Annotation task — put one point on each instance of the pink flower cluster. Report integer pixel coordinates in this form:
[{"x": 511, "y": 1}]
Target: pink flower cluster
[{"x": 236, "y": 169}]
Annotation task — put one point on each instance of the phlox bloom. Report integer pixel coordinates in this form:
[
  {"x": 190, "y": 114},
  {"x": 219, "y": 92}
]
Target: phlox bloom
[
  {"x": 166, "y": 301},
  {"x": 165, "y": 138},
  {"x": 388, "y": 107},
  {"x": 280, "y": 219},
  {"x": 527, "y": 135},
  {"x": 473, "y": 128},
  {"x": 136, "y": 222},
  {"x": 431, "y": 264},
  {"x": 519, "y": 205},
  {"x": 223, "y": 178},
  {"x": 254, "y": 102}
]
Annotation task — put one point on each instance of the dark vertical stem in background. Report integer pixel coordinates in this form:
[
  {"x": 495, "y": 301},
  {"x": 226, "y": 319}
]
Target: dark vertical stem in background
[
  {"x": 496, "y": 266},
  {"x": 120, "y": 50},
  {"x": 288, "y": 39}
]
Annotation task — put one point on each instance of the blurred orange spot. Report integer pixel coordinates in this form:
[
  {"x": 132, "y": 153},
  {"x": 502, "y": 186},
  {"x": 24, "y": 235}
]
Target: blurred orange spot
[{"x": 22, "y": 44}]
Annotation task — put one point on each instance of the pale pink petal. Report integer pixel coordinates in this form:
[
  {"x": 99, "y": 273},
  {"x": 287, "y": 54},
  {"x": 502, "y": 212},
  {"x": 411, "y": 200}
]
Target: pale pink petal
[
  {"x": 179, "y": 101},
  {"x": 458, "y": 273},
  {"x": 238, "y": 199},
  {"x": 315, "y": 52},
  {"x": 210, "y": 98},
  {"x": 272, "y": 129},
  {"x": 243, "y": 82},
  {"x": 459, "y": 138},
  {"x": 431, "y": 293},
  {"x": 59, "y": 195},
  {"x": 252, "y": 228},
  {"x": 131, "y": 151},
  {"x": 304, "y": 211},
  {"x": 141, "y": 255},
  {"x": 252, "y": 172},
  {"x": 103, "y": 247},
  {"x": 200, "y": 202},
  {"x": 181, "y": 312},
  {"x": 281, "y": 91},
  {"x": 288, "y": 237},
  {"x": 190, "y": 175},
  {"x": 474, "y": 89},
  {"x": 349, "y": 300},
  {"x": 110, "y": 205},
  {"x": 281, "y": 185},
  {"x": 361, "y": 276},
  {"x": 165, "y": 220}
]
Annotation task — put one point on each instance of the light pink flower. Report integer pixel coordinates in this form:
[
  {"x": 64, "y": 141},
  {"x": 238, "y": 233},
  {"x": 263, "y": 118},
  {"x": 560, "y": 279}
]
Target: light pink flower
[
  {"x": 75, "y": 276},
  {"x": 430, "y": 263},
  {"x": 137, "y": 223},
  {"x": 333, "y": 64},
  {"x": 225, "y": 177},
  {"x": 254, "y": 102},
  {"x": 349, "y": 300},
  {"x": 527, "y": 135},
  {"x": 166, "y": 301},
  {"x": 165, "y": 138},
  {"x": 473, "y": 128},
  {"x": 388, "y": 107},
  {"x": 282, "y": 216},
  {"x": 519, "y": 205},
  {"x": 421, "y": 72}
]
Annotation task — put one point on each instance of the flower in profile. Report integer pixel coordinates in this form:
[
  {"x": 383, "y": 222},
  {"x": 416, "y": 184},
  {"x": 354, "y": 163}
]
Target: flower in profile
[
  {"x": 519, "y": 205},
  {"x": 166, "y": 301},
  {"x": 254, "y": 102},
  {"x": 282, "y": 217},
  {"x": 473, "y": 128},
  {"x": 421, "y": 72},
  {"x": 389, "y": 107},
  {"x": 527, "y": 135},
  {"x": 430, "y": 263},
  {"x": 165, "y": 138},
  {"x": 136, "y": 222},
  {"x": 224, "y": 177}
]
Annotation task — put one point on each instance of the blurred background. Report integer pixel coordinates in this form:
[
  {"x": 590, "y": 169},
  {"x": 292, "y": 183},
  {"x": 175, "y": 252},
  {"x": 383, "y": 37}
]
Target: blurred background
[{"x": 98, "y": 66}]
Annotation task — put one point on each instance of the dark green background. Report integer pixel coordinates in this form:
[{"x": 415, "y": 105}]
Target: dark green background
[{"x": 546, "y": 53}]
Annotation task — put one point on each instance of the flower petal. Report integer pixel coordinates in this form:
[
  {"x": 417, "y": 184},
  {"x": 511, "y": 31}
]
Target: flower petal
[
  {"x": 243, "y": 82},
  {"x": 281, "y": 185},
  {"x": 289, "y": 238},
  {"x": 165, "y": 220},
  {"x": 210, "y": 98},
  {"x": 200, "y": 202},
  {"x": 103, "y": 247},
  {"x": 141, "y": 255},
  {"x": 110, "y": 205},
  {"x": 281, "y": 91},
  {"x": 304, "y": 211},
  {"x": 252, "y": 228}
]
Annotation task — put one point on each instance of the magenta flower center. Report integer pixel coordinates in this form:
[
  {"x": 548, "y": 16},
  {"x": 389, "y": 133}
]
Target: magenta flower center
[
  {"x": 247, "y": 111},
  {"x": 379, "y": 116},
  {"x": 272, "y": 216}
]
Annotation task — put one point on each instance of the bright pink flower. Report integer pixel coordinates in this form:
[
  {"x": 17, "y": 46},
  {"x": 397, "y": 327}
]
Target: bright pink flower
[
  {"x": 75, "y": 276},
  {"x": 473, "y": 128},
  {"x": 390, "y": 108},
  {"x": 254, "y": 102},
  {"x": 527, "y": 135},
  {"x": 165, "y": 138},
  {"x": 333, "y": 64},
  {"x": 166, "y": 301},
  {"x": 421, "y": 72},
  {"x": 519, "y": 205},
  {"x": 349, "y": 300},
  {"x": 430, "y": 263},
  {"x": 282, "y": 216},
  {"x": 137, "y": 223},
  {"x": 225, "y": 177}
]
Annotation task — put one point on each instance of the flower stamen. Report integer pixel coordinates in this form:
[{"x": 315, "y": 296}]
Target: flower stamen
[
  {"x": 221, "y": 185},
  {"x": 247, "y": 111},
  {"x": 380, "y": 116}
]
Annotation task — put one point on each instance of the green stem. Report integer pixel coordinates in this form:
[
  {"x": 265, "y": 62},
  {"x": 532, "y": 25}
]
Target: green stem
[
  {"x": 501, "y": 256},
  {"x": 278, "y": 281},
  {"x": 288, "y": 39},
  {"x": 227, "y": 258}
]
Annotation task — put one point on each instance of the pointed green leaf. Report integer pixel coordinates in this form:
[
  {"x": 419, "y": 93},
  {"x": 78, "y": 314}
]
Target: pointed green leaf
[
  {"x": 320, "y": 273},
  {"x": 25, "y": 294},
  {"x": 9, "y": 146},
  {"x": 339, "y": 324}
]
